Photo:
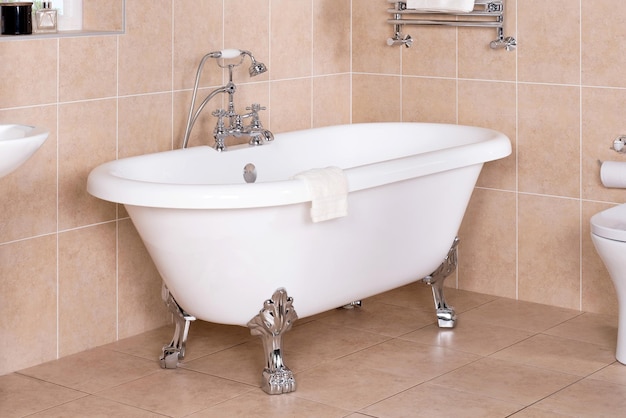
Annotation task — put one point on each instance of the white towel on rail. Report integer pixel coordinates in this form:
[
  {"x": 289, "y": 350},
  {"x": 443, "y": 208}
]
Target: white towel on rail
[
  {"x": 329, "y": 192},
  {"x": 443, "y": 6}
]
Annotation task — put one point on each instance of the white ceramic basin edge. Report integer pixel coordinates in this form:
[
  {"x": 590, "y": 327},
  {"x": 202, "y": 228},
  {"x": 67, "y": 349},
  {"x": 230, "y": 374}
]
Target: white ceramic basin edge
[{"x": 17, "y": 144}]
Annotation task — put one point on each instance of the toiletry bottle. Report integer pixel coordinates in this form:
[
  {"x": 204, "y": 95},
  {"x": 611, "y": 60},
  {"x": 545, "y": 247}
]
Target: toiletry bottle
[{"x": 46, "y": 18}]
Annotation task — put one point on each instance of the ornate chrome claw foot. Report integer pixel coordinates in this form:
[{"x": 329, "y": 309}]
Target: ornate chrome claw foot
[
  {"x": 276, "y": 317},
  {"x": 176, "y": 349},
  {"x": 446, "y": 317}
]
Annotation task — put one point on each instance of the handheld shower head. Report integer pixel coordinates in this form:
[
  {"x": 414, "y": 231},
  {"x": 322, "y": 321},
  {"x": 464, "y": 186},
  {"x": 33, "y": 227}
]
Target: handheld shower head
[{"x": 256, "y": 67}]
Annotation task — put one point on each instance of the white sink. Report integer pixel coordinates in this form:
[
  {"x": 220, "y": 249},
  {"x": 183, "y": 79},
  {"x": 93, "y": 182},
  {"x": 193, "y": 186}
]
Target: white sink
[{"x": 17, "y": 144}]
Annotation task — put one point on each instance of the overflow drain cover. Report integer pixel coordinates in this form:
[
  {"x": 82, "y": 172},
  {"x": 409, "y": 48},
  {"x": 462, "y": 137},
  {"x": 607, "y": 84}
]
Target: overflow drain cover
[{"x": 249, "y": 173}]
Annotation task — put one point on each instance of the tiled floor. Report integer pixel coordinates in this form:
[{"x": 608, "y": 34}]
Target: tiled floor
[{"x": 387, "y": 359}]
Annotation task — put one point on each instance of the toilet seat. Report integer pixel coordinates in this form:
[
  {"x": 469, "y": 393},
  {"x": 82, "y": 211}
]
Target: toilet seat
[{"x": 610, "y": 223}]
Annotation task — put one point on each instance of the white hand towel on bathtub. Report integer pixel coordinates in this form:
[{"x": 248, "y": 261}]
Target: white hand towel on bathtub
[
  {"x": 329, "y": 192},
  {"x": 443, "y": 6}
]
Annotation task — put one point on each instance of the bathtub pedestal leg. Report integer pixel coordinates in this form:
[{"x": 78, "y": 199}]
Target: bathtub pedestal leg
[
  {"x": 446, "y": 317},
  {"x": 352, "y": 305},
  {"x": 176, "y": 349},
  {"x": 276, "y": 317}
]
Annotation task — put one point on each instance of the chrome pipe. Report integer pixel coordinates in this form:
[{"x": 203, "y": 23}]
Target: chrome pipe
[{"x": 445, "y": 23}]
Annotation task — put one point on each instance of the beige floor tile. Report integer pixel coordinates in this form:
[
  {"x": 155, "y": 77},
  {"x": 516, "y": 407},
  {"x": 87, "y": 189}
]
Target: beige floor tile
[
  {"x": 428, "y": 401},
  {"x": 204, "y": 338},
  {"x": 527, "y": 316},
  {"x": 381, "y": 318},
  {"x": 259, "y": 405},
  {"x": 462, "y": 300},
  {"x": 175, "y": 392},
  {"x": 419, "y": 295},
  {"x": 416, "y": 295},
  {"x": 415, "y": 361},
  {"x": 588, "y": 398},
  {"x": 589, "y": 327},
  {"x": 21, "y": 395},
  {"x": 511, "y": 382},
  {"x": 147, "y": 345},
  {"x": 533, "y": 412},
  {"x": 327, "y": 341},
  {"x": 245, "y": 362},
  {"x": 93, "y": 370},
  {"x": 93, "y": 406},
  {"x": 615, "y": 373},
  {"x": 373, "y": 374},
  {"x": 559, "y": 354},
  {"x": 341, "y": 385},
  {"x": 387, "y": 359},
  {"x": 469, "y": 336}
]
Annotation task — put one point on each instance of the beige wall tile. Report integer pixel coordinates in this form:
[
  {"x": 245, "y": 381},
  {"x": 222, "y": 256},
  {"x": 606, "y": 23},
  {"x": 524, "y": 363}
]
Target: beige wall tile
[
  {"x": 29, "y": 72},
  {"x": 290, "y": 102},
  {"x": 331, "y": 36},
  {"x": 603, "y": 121},
  {"x": 375, "y": 98},
  {"x": 370, "y": 31},
  {"x": 87, "y": 68},
  {"x": 28, "y": 323},
  {"x": 492, "y": 105},
  {"x": 549, "y": 250},
  {"x": 488, "y": 247},
  {"x": 547, "y": 55},
  {"x": 603, "y": 59},
  {"x": 103, "y": 15},
  {"x": 331, "y": 100},
  {"x": 87, "y": 138},
  {"x": 140, "y": 305},
  {"x": 549, "y": 125},
  {"x": 87, "y": 288},
  {"x": 291, "y": 42},
  {"x": 145, "y": 55},
  {"x": 194, "y": 21},
  {"x": 433, "y": 52},
  {"x": 429, "y": 100},
  {"x": 477, "y": 59},
  {"x": 182, "y": 102},
  {"x": 145, "y": 124}
]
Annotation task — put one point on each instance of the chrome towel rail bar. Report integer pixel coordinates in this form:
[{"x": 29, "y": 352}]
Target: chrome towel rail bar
[{"x": 486, "y": 14}]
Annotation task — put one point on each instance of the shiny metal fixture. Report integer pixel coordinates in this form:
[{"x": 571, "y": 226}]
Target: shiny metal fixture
[
  {"x": 234, "y": 125},
  {"x": 486, "y": 14},
  {"x": 176, "y": 349},
  {"x": 353, "y": 304},
  {"x": 276, "y": 318},
  {"x": 619, "y": 143},
  {"x": 446, "y": 316},
  {"x": 249, "y": 173}
]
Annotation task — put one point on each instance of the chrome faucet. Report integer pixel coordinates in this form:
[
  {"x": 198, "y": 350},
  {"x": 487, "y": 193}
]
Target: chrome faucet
[{"x": 235, "y": 126}]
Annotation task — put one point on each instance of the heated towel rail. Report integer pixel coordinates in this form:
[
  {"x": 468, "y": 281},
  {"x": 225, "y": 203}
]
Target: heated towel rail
[{"x": 486, "y": 14}]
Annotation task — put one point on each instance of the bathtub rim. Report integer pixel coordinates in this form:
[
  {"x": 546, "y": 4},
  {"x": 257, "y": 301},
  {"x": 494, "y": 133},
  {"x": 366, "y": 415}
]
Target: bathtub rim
[{"x": 104, "y": 182}]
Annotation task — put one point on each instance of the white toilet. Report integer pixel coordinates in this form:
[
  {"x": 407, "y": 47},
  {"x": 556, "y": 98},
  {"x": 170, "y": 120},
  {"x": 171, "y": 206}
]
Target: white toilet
[{"x": 608, "y": 233}]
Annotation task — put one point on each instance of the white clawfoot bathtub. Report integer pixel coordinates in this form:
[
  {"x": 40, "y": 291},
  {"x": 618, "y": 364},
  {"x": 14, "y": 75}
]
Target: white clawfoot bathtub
[{"x": 223, "y": 246}]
